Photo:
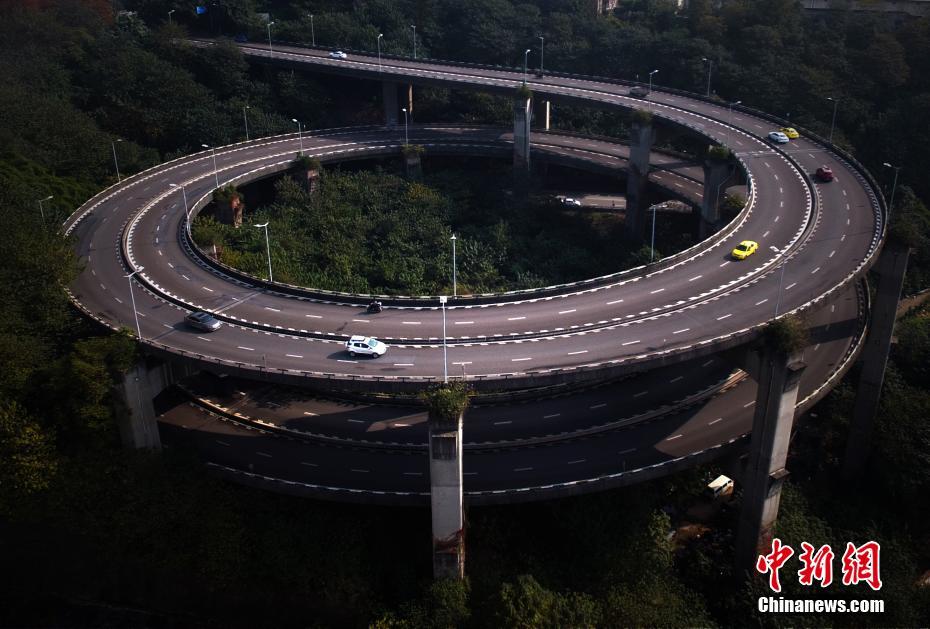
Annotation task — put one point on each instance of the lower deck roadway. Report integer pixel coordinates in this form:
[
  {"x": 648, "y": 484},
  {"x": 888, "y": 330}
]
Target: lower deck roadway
[{"x": 604, "y": 460}]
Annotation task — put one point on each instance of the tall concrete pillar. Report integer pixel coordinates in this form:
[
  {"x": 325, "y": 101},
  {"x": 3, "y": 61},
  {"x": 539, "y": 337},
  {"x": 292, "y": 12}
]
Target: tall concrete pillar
[
  {"x": 892, "y": 263},
  {"x": 389, "y": 98},
  {"x": 547, "y": 114},
  {"x": 642, "y": 135},
  {"x": 138, "y": 428},
  {"x": 410, "y": 101},
  {"x": 716, "y": 173},
  {"x": 445, "y": 475},
  {"x": 522, "y": 117},
  {"x": 778, "y": 376}
]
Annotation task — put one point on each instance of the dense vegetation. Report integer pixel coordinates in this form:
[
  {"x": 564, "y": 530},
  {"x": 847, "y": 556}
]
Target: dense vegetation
[{"x": 91, "y": 535}]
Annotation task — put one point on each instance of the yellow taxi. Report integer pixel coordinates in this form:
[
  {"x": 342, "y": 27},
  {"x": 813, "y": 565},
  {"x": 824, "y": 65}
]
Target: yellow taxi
[
  {"x": 745, "y": 249},
  {"x": 791, "y": 132}
]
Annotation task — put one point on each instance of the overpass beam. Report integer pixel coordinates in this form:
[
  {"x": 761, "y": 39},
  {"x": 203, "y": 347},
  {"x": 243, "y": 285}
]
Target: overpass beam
[
  {"x": 389, "y": 98},
  {"x": 892, "y": 263},
  {"x": 642, "y": 136},
  {"x": 716, "y": 173},
  {"x": 446, "y": 501},
  {"x": 779, "y": 375}
]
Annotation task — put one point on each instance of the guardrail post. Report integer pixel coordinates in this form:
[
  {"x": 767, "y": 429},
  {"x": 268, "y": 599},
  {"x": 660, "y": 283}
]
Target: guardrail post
[
  {"x": 779, "y": 374},
  {"x": 642, "y": 135},
  {"x": 389, "y": 98},
  {"x": 890, "y": 268},
  {"x": 446, "y": 500}
]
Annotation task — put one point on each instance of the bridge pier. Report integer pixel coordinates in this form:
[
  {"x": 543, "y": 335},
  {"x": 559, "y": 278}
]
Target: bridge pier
[
  {"x": 138, "y": 427},
  {"x": 642, "y": 136},
  {"x": 546, "y": 114},
  {"x": 410, "y": 101},
  {"x": 522, "y": 117},
  {"x": 446, "y": 501},
  {"x": 890, "y": 268},
  {"x": 389, "y": 98},
  {"x": 716, "y": 173},
  {"x": 778, "y": 375}
]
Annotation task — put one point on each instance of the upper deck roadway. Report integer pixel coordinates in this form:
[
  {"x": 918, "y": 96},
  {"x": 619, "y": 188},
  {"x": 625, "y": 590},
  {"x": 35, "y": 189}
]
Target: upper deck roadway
[{"x": 824, "y": 235}]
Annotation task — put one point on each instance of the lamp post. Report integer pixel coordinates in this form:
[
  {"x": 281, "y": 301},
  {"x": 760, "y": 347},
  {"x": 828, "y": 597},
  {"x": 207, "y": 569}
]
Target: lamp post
[
  {"x": 526, "y": 56},
  {"x": 132, "y": 298},
  {"x": 650, "y": 79},
  {"x": 270, "y": 49},
  {"x": 245, "y": 119},
  {"x": 542, "y": 52},
  {"x": 833, "y": 121},
  {"x": 312, "y": 32},
  {"x": 267, "y": 248},
  {"x": 216, "y": 177},
  {"x": 781, "y": 279},
  {"x": 115, "y": 161},
  {"x": 445, "y": 356},
  {"x": 454, "y": 283},
  {"x": 894, "y": 186},
  {"x": 652, "y": 245},
  {"x": 414, "y": 27},
  {"x": 406, "y": 135},
  {"x": 42, "y": 211},
  {"x": 710, "y": 67},
  {"x": 380, "y": 35},
  {"x": 300, "y": 135},
  {"x": 729, "y": 117},
  {"x": 187, "y": 211},
  {"x": 169, "y": 15}
]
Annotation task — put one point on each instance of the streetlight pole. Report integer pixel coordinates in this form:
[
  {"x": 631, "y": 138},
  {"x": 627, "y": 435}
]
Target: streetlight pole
[
  {"x": 245, "y": 119},
  {"x": 414, "y": 27},
  {"x": 187, "y": 211},
  {"x": 894, "y": 186},
  {"x": 216, "y": 177},
  {"x": 542, "y": 52},
  {"x": 270, "y": 49},
  {"x": 729, "y": 118},
  {"x": 312, "y": 32},
  {"x": 454, "y": 283},
  {"x": 380, "y": 35},
  {"x": 267, "y": 248},
  {"x": 781, "y": 279},
  {"x": 42, "y": 211},
  {"x": 406, "y": 135},
  {"x": 300, "y": 135},
  {"x": 445, "y": 356},
  {"x": 710, "y": 67},
  {"x": 115, "y": 161},
  {"x": 526, "y": 56},
  {"x": 833, "y": 121},
  {"x": 169, "y": 15},
  {"x": 132, "y": 298},
  {"x": 652, "y": 246},
  {"x": 650, "y": 79}
]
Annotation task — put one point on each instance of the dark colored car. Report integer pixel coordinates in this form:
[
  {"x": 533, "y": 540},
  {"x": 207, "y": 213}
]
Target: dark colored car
[
  {"x": 824, "y": 174},
  {"x": 203, "y": 321},
  {"x": 639, "y": 91}
]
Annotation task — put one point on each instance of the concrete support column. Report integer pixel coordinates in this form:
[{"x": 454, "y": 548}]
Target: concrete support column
[
  {"x": 522, "y": 117},
  {"x": 642, "y": 135},
  {"x": 413, "y": 165},
  {"x": 778, "y": 376},
  {"x": 389, "y": 98},
  {"x": 445, "y": 475},
  {"x": 716, "y": 174},
  {"x": 410, "y": 101},
  {"x": 892, "y": 263},
  {"x": 138, "y": 428},
  {"x": 313, "y": 180},
  {"x": 547, "y": 114}
]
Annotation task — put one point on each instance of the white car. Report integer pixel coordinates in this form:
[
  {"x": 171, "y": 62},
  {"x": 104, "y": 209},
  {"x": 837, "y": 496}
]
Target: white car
[
  {"x": 572, "y": 202},
  {"x": 778, "y": 137},
  {"x": 359, "y": 345},
  {"x": 338, "y": 54}
]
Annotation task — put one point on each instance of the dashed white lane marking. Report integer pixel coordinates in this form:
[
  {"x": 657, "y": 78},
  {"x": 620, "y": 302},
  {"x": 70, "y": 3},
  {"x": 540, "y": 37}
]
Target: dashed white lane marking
[
  {"x": 503, "y": 422},
  {"x": 711, "y": 423},
  {"x": 118, "y": 299},
  {"x": 314, "y": 316},
  {"x": 596, "y": 406},
  {"x": 581, "y": 351},
  {"x": 170, "y": 265},
  {"x": 696, "y": 277},
  {"x": 678, "y": 436},
  {"x": 204, "y": 339},
  {"x": 844, "y": 192},
  {"x": 777, "y": 219},
  {"x": 272, "y": 309},
  {"x": 264, "y": 454},
  {"x": 551, "y": 416},
  {"x": 516, "y": 360},
  {"x": 185, "y": 277},
  {"x": 658, "y": 290},
  {"x": 403, "y": 364},
  {"x": 725, "y": 263},
  {"x": 222, "y": 443},
  {"x": 577, "y": 461},
  {"x": 790, "y": 286},
  {"x": 627, "y": 451},
  {"x": 815, "y": 270},
  {"x": 748, "y": 404},
  {"x": 208, "y": 289},
  {"x": 765, "y": 235},
  {"x": 410, "y": 322},
  {"x": 616, "y": 301},
  {"x": 724, "y": 316},
  {"x": 309, "y": 464},
  {"x": 160, "y": 253},
  {"x": 567, "y": 311},
  {"x": 843, "y": 237},
  {"x": 358, "y": 471},
  {"x": 522, "y": 469},
  {"x": 676, "y": 379},
  {"x": 682, "y": 331},
  {"x": 165, "y": 325},
  {"x": 356, "y": 421},
  {"x": 708, "y": 363},
  {"x": 515, "y": 318},
  {"x": 630, "y": 343},
  {"x": 360, "y": 321},
  {"x": 248, "y": 349},
  {"x": 293, "y": 355},
  {"x": 351, "y": 362},
  {"x": 464, "y": 362},
  {"x": 103, "y": 287},
  {"x": 309, "y": 414},
  {"x": 413, "y": 473},
  {"x": 462, "y": 322},
  {"x": 469, "y": 473},
  {"x": 640, "y": 394},
  {"x": 832, "y": 253},
  {"x": 759, "y": 303}
]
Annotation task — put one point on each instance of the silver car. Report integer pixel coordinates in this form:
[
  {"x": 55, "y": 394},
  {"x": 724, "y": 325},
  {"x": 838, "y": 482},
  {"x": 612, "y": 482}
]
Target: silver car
[{"x": 203, "y": 321}]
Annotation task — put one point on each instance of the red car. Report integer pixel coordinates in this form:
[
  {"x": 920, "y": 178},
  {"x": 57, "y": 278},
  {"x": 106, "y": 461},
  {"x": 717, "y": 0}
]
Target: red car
[{"x": 824, "y": 174}]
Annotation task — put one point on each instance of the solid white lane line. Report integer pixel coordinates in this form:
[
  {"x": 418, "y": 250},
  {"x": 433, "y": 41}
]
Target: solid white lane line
[{"x": 581, "y": 351}]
